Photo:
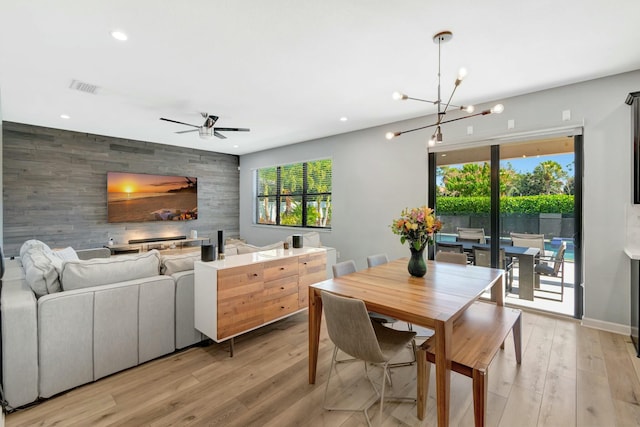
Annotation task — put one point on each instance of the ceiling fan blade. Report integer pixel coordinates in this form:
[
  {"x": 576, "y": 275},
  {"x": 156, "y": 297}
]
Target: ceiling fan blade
[
  {"x": 187, "y": 131},
  {"x": 219, "y": 135},
  {"x": 180, "y": 123},
  {"x": 233, "y": 129}
]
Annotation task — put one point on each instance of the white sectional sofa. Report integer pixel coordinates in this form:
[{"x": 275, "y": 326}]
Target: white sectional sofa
[{"x": 68, "y": 323}]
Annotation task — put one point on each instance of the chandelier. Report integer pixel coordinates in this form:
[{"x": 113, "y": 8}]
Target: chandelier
[{"x": 440, "y": 38}]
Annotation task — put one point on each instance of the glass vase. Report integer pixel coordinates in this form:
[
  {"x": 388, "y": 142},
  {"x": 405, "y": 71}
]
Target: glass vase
[{"x": 417, "y": 266}]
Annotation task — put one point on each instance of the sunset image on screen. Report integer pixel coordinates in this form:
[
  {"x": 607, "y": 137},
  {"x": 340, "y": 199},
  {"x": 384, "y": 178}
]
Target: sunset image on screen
[{"x": 143, "y": 197}]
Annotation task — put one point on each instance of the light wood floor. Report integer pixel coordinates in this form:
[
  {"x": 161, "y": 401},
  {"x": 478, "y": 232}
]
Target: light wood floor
[{"x": 570, "y": 376}]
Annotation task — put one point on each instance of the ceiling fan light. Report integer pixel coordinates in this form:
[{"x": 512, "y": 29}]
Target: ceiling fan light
[{"x": 205, "y": 132}]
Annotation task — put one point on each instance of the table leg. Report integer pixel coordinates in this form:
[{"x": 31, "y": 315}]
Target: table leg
[
  {"x": 444, "y": 331},
  {"x": 422, "y": 381},
  {"x": 497, "y": 291},
  {"x": 526, "y": 277},
  {"x": 315, "y": 320}
]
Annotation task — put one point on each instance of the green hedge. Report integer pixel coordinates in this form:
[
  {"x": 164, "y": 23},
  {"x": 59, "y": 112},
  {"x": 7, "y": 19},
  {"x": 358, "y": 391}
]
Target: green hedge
[{"x": 556, "y": 203}]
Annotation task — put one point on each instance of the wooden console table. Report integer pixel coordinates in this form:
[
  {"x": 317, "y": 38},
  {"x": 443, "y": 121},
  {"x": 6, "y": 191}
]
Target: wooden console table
[{"x": 244, "y": 292}]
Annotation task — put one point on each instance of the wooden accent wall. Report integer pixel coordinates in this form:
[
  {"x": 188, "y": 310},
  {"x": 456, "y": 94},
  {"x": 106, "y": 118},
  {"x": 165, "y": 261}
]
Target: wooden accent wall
[{"x": 55, "y": 187}]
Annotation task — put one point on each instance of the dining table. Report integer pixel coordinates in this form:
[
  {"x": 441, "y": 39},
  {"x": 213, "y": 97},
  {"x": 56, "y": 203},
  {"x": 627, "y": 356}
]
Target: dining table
[{"x": 434, "y": 301}]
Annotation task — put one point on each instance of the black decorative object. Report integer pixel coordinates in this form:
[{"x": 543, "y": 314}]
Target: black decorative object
[
  {"x": 220, "y": 244},
  {"x": 297, "y": 240},
  {"x": 417, "y": 267},
  {"x": 208, "y": 252}
]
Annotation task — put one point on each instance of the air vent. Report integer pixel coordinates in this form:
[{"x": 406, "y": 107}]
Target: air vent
[{"x": 83, "y": 87}]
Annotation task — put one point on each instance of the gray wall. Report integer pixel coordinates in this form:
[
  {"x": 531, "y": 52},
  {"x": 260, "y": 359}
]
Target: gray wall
[
  {"x": 55, "y": 187},
  {"x": 374, "y": 179}
]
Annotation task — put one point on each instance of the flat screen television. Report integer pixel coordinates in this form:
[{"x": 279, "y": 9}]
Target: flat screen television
[{"x": 135, "y": 197}]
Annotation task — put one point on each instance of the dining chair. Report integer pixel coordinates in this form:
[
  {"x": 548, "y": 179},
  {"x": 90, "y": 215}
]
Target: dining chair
[
  {"x": 475, "y": 235},
  {"x": 377, "y": 259},
  {"x": 451, "y": 257},
  {"x": 353, "y": 333},
  {"x": 482, "y": 258},
  {"x": 553, "y": 266},
  {"x": 344, "y": 267}
]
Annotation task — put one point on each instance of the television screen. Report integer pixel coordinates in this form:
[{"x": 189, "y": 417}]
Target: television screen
[{"x": 133, "y": 197}]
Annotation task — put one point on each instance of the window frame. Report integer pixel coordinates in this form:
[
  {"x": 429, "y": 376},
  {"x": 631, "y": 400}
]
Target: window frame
[{"x": 305, "y": 195}]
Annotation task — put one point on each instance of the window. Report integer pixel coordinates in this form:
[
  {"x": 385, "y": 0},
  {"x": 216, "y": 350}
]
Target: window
[{"x": 296, "y": 195}]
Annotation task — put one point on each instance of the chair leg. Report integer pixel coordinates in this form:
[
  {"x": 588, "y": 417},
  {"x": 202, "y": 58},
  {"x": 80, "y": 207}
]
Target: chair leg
[{"x": 326, "y": 388}]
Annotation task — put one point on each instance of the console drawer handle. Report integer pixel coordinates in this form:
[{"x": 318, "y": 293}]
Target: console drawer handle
[
  {"x": 255, "y": 274},
  {"x": 281, "y": 268},
  {"x": 282, "y": 288}
]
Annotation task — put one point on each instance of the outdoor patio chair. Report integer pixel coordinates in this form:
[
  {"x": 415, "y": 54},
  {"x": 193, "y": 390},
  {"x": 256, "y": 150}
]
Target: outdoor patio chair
[
  {"x": 474, "y": 235},
  {"x": 529, "y": 241},
  {"x": 352, "y": 332},
  {"x": 553, "y": 266},
  {"x": 482, "y": 257},
  {"x": 450, "y": 247}
]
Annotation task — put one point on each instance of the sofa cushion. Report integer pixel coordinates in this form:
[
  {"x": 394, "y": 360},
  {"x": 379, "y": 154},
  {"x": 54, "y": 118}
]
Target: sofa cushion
[
  {"x": 309, "y": 240},
  {"x": 103, "y": 271},
  {"x": 231, "y": 249},
  {"x": 178, "y": 262},
  {"x": 40, "y": 271},
  {"x": 245, "y": 248}
]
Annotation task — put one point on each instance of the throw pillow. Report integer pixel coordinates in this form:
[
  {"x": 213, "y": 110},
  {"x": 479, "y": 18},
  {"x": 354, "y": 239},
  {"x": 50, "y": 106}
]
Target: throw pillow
[
  {"x": 40, "y": 272},
  {"x": 33, "y": 244},
  {"x": 103, "y": 271},
  {"x": 178, "y": 262}
]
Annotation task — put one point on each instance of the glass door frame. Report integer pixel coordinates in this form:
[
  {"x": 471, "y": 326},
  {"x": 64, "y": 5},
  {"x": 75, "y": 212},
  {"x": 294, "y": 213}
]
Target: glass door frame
[{"x": 495, "y": 211}]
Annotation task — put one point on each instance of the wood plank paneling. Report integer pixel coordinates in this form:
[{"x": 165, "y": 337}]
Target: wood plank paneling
[{"x": 55, "y": 187}]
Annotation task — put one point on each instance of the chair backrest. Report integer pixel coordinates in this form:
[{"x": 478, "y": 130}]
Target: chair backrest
[
  {"x": 350, "y": 329},
  {"x": 482, "y": 257},
  {"x": 344, "y": 267},
  {"x": 529, "y": 241},
  {"x": 449, "y": 247},
  {"x": 377, "y": 259},
  {"x": 452, "y": 257},
  {"x": 471, "y": 234},
  {"x": 559, "y": 258}
]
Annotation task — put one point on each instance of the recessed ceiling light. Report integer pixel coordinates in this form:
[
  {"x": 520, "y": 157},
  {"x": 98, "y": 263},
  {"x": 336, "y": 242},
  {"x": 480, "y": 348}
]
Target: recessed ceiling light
[
  {"x": 343, "y": 119},
  {"x": 65, "y": 116},
  {"x": 236, "y": 146},
  {"x": 444, "y": 155},
  {"x": 119, "y": 35}
]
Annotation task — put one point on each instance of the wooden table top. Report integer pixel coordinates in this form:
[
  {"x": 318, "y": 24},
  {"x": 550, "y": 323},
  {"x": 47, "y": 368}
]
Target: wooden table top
[{"x": 442, "y": 294}]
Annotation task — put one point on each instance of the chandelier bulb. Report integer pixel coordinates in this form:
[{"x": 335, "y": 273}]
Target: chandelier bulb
[
  {"x": 391, "y": 135},
  {"x": 432, "y": 142},
  {"x": 497, "y": 109},
  {"x": 468, "y": 108},
  {"x": 397, "y": 96}
]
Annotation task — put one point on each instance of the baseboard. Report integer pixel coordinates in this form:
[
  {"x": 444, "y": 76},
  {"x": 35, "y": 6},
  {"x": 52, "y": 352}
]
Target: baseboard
[{"x": 616, "y": 328}]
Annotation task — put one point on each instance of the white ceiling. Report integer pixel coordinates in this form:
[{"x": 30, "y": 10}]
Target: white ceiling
[{"x": 289, "y": 69}]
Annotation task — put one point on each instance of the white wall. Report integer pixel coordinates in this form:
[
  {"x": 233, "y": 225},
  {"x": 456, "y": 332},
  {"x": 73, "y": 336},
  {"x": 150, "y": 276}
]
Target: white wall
[{"x": 374, "y": 179}]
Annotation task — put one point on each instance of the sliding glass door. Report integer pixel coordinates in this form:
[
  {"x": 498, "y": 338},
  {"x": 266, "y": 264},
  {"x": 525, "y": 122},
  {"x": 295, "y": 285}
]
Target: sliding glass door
[{"x": 515, "y": 191}]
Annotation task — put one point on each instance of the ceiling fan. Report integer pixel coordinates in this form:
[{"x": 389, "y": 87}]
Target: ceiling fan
[{"x": 207, "y": 130}]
